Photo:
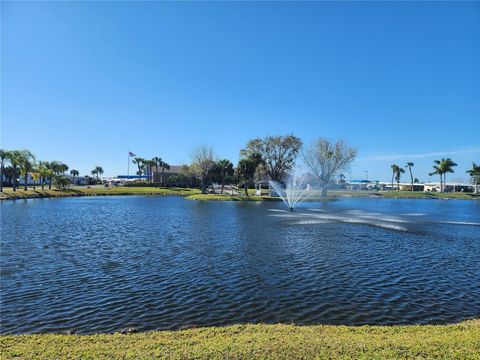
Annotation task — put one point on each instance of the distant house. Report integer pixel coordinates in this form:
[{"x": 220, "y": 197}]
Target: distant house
[
  {"x": 158, "y": 175},
  {"x": 449, "y": 187},
  {"x": 408, "y": 187},
  {"x": 363, "y": 185},
  {"x": 77, "y": 180}
]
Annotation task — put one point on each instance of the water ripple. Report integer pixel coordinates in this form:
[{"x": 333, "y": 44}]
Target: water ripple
[{"x": 105, "y": 264}]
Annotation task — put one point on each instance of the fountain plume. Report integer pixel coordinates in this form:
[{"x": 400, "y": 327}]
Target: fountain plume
[{"x": 293, "y": 193}]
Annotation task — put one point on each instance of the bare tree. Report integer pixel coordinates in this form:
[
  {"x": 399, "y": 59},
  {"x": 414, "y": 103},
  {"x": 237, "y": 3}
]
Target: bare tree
[
  {"x": 325, "y": 160},
  {"x": 203, "y": 160},
  {"x": 277, "y": 152}
]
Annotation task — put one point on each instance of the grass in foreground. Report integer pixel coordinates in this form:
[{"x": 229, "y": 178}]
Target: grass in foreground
[{"x": 459, "y": 341}]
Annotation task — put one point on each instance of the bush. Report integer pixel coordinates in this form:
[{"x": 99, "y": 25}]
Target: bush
[
  {"x": 61, "y": 182},
  {"x": 181, "y": 180}
]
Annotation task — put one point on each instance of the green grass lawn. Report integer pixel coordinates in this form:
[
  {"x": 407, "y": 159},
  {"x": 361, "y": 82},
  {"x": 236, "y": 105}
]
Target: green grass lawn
[
  {"x": 226, "y": 197},
  {"x": 405, "y": 194},
  {"x": 84, "y": 191},
  {"x": 430, "y": 195},
  {"x": 460, "y": 341}
]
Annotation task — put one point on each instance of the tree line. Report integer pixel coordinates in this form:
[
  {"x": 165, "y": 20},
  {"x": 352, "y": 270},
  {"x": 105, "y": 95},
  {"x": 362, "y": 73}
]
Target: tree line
[
  {"x": 272, "y": 158},
  {"x": 441, "y": 168},
  {"x": 21, "y": 163},
  {"x": 262, "y": 159},
  {"x": 145, "y": 167}
]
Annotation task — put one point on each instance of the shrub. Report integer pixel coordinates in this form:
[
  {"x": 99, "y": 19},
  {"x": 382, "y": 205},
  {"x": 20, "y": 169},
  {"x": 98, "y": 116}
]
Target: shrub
[{"x": 61, "y": 182}]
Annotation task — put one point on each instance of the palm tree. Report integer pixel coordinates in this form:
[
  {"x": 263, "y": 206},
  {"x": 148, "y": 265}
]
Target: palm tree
[
  {"x": 150, "y": 164},
  {"x": 398, "y": 173},
  {"x": 141, "y": 169},
  {"x": 15, "y": 162},
  {"x": 50, "y": 170},
  {"x": 224, "y": 170},
  {"x": 409, "y": 166},
  {"x": 442, "y": 167},
  {"x": 58, "y": 167},
  {"x": 94, "y": 172},
  {"x": 474, "y": 172},
  {"x": 437, "y": 171},
  {"x": 394, "y": 168},
  {"x": 74, "y": 173},
  {"x": 27, "y": 162},
  {"x": 98, "y": 171},
  {"x": 8, "y": 173},
  {"x": 139, "y": 162},
  {"x": 447, "y": 166},
  {"x": 35, "y": 174},
  {"x": 162, "y": 165},
  {"x": 4, "y": 156},
  {"x": 43, "y": 171}
]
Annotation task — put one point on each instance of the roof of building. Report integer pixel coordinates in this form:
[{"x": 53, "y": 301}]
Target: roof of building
[{"x": 174, "y": 169}]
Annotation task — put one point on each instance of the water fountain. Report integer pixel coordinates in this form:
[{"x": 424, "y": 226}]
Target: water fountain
[{"x": 293, "y": 193}]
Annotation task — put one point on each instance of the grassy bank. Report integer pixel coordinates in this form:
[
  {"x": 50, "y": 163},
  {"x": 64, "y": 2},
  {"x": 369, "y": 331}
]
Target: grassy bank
[
  {"x": 460, "y": 341},
  {"x": 194, "y": 194},
  {"x": 95, "y": 191},
  {"x": 406, "y": 195},
  {"x": 226, "y": 197}
]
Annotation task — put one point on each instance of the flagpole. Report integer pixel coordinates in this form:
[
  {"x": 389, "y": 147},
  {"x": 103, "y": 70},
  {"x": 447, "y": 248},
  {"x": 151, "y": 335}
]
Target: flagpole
[{"x": 128, "y": 164}]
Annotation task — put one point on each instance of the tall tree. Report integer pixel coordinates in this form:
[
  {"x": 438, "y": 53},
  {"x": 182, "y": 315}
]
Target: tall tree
[
  {"x": 162, "y": 165},
  {"x": 74, "y": 173},
  {"x": 203, "y": 160},
  {"x": 98, "y": 171},
  {"x": 27, "y": 162},
  {"x": 474, "y": 173},
  {"x": 409, "y": 166},
  {"x": 223, "y": 170},
  {"x": 245, "y": 171},
  {"x": 4, "y": 156},
  {"x": 53, "y": 168},
  {"x": 394, "y": 168},
  {"x": 398, "y": 173},
  {"x": 326, "y": 159},
  {"x": 139, "y": 162},
  {"x": 58, "y": 167},
  {"x": 35, "y": 174},
  {"x": 141, "y": 169},
  {"x": 44, "y": 172},
  {"x": 441, "y": 168},
  {"x": 150, "y": 165},
  {"x": 16, "y": 163},
  {"x": 251, "y": 168},
  {"x": 437, "y": 171},
  {"x": 8, "y": 173},
  {"x": 447, "y": 166},
  {"x": 278, "y": 153}
]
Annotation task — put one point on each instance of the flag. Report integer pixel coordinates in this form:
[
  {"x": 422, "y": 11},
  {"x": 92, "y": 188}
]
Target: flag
[{"x": 131, "y": 154}]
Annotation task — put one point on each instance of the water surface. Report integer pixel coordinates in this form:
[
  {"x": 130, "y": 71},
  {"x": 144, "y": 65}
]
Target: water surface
[{"x": 102, "y": 264}]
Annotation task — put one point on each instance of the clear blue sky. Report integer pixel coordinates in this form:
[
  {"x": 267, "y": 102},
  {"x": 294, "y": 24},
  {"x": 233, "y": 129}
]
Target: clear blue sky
[{"x": 85, "y": 82}]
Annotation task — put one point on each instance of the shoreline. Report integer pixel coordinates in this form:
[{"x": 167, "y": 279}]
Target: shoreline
[
  {"x": 278, "y": 341},
  {"x": 195, "y": 194}
]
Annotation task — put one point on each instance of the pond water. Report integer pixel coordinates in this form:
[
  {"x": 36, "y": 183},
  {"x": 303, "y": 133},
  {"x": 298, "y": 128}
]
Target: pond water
[{"x": 102, "y": 264}]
